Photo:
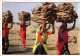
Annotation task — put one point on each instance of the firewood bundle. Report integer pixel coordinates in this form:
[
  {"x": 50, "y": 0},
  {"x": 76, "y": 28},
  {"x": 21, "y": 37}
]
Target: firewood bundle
[
  {"x": 7, "y": 17},
  {"x": 66, "y": 13},
  {"x": 24, "y": 16},
  {"x": 45, "y": 12}
]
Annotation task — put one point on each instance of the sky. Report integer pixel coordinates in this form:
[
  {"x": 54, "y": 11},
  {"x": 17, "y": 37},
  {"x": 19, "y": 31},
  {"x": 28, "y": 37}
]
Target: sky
[{"x": 16, "y": 7}]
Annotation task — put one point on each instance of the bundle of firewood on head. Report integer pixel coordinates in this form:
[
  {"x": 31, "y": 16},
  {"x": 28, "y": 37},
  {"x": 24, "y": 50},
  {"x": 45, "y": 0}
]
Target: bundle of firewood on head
[
  {"x": 45, "y": 12},
  {"x": 7, "y": 18},
  {"x": 66, "y": 13},
  {"x": 24, "y": 16}
]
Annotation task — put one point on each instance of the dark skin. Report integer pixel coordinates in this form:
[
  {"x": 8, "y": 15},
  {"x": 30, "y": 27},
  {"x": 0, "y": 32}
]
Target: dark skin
[
  {"x": 53, "y": 29},
  {"x": 6, "y": 25},
  {"x": 43, "y": 28},
  {"x": 65, "y": 28},
  {"x": 23, "y": 20}
]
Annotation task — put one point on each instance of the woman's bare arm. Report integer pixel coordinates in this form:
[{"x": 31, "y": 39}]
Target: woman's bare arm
[
  {"x": 43, "y": 26},
  {"x": 53, "y": 31},
  {"x": 42, "y": 29},
  {"x": 72, "y": 26}
]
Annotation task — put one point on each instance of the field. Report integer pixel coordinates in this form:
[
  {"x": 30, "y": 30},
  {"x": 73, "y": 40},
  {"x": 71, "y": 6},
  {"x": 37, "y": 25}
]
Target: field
[{"x": 14, "y": 41}]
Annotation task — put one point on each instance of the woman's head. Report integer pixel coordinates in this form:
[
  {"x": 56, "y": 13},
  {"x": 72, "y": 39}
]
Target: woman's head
[
  {"x": 44, "y": 28},
  {"x": 23, "y": 19},
  {"x": 65, "y": 25}
]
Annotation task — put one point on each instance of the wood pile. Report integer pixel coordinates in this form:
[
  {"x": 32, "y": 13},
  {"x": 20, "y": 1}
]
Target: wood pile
[
  {"x": 45, "y": 12},
  {"x": 24, "y": 15},
  {"x": 65, "y": 12}
]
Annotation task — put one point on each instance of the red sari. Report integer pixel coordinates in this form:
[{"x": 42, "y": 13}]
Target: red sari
[
  {"x": 5, "y": 34},
  {"x": 22, "y": 34},
  {"x": 5, "y": 30},
  {"x": 64, "y": 34}
]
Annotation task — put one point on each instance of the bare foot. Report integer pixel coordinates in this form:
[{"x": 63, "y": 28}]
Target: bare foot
[
  {"x": 24, "y": 48},
  {"x": 20, "y": 46}
]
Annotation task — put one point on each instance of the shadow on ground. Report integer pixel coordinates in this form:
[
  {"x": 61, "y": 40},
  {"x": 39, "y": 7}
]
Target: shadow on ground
[
  {"x": 52, "y": 48},
  {"x": 19, "y": 45},
  {"x": 19, "y": 52},
  {"x": 76, "y": 54},
  {"x": 20, "y": 39}
]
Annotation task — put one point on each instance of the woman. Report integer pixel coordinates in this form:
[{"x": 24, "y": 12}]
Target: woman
[
  {"x": 40, "y": 46},
  {"x": 62, "y": 42},
  {"x": 23, "y": 33},
  {"x": 5, "y": 34}
]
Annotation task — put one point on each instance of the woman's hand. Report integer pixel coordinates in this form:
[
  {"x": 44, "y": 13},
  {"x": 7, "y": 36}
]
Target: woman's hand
[{"x": 74, "y": 24}]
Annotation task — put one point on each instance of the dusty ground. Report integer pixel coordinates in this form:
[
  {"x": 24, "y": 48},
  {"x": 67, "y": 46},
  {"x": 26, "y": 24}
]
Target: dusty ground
[{"x": 14, "y": 41}]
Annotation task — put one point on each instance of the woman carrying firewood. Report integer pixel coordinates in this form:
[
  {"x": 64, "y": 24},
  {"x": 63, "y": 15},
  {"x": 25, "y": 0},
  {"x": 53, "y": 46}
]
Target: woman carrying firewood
[
  {"x": 5, "y": 34},
  {"x": 40, "y": 46},
  {"x": 62, "y": 42},
  {"x": 23, "y": 17},
  {"x": 23, "y": 33},
  {"x": 7, "y": 20}
]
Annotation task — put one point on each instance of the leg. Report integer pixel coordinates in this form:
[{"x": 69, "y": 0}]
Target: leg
[
  {"x": 6, "y": 43},
  {"x": 65, "y": 49},
  {"x": 66, "y": 45},
  {"x": 22, "y": 42},
  {"x": 37, "y": 50},
  {"x": 62, "y": 51},
  {"x": 40, "y": 50},
  {"x": 3, "y": 45},
  {"x": 43, "y": 50}
]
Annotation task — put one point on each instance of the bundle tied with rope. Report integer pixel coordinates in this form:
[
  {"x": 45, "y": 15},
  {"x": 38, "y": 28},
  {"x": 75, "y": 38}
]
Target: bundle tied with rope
[
  {"x": 65, "y": 12},
  {"x": 47, "y": 11},
  {"x": 24, "y": 15}
]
